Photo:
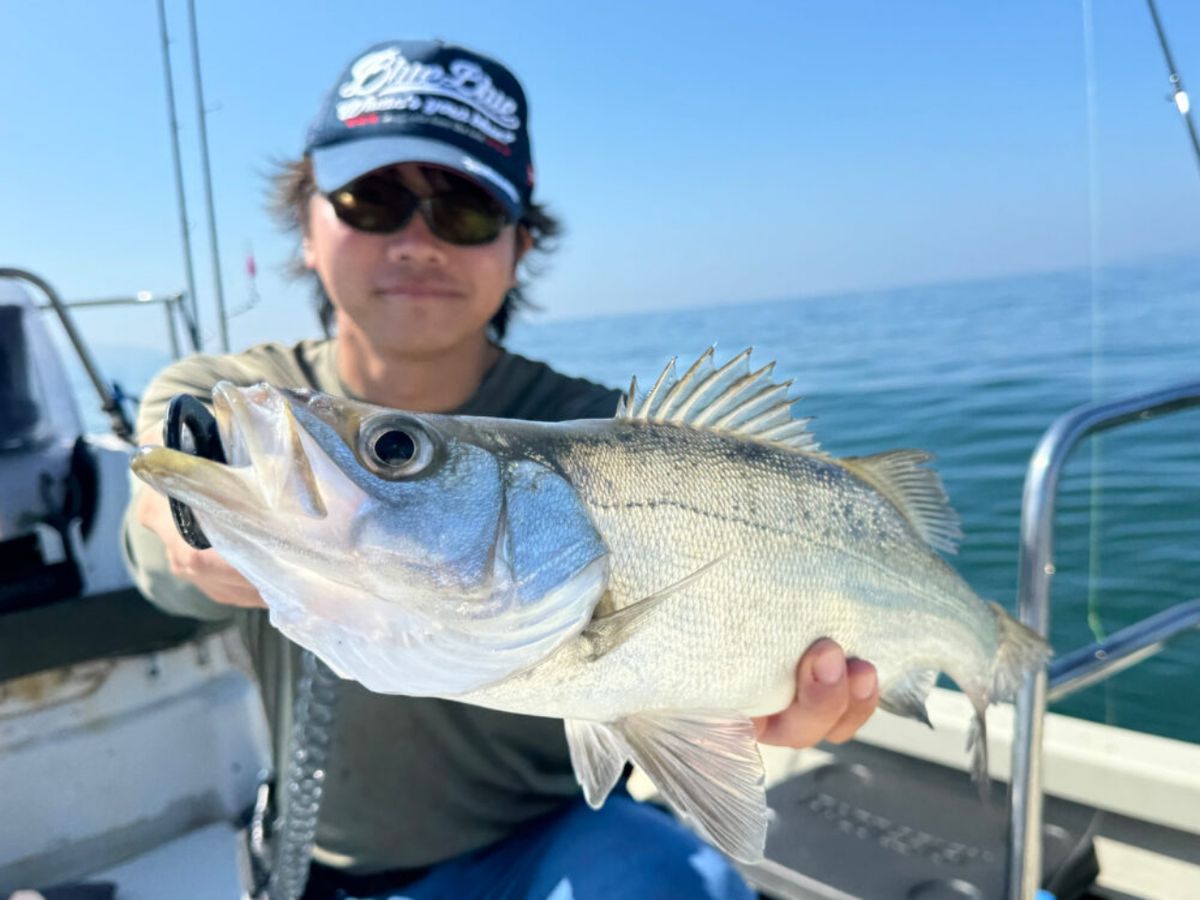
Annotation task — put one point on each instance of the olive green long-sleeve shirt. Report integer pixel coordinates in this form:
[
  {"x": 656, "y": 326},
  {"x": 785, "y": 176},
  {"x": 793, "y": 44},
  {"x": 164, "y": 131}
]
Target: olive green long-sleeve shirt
[{"x": 411, "y": 781}]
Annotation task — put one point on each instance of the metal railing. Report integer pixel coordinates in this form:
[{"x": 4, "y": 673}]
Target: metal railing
[
  {"x": 1090, "y": 664},
  {"x": 110, "y": 403},
  {"x": 1079, "y": 669},
  {"x": 179, "y": 317}
]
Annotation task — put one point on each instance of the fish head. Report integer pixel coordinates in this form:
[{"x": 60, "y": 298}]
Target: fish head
[{"x": 412, "y": 552}]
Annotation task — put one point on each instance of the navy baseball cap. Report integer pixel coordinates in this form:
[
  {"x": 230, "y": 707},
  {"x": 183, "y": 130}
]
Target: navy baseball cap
[{"x": 425, "y": 102}]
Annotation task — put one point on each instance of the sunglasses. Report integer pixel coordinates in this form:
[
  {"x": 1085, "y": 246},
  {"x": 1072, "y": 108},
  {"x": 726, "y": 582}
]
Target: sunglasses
[{"x": 458, "y": 212}]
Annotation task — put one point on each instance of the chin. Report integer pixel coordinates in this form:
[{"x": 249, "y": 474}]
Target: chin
[{"x": 417, "y": 329}]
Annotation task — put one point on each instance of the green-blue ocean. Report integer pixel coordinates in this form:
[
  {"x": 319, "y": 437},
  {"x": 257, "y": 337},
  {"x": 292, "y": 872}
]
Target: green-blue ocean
[{"x": 976, "y": 372}]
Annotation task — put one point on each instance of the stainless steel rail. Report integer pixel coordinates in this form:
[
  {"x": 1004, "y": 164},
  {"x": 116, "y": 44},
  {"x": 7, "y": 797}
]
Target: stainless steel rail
[
  {"x": 1024, "y": 858},
  {"x": 108, "y": 401},
  {"x": 1074, "y": 671},
  {"x": 173, "y": 305}
]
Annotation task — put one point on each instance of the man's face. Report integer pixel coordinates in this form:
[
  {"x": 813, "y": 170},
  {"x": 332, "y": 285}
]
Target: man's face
[{"x": 409, "y": 292}]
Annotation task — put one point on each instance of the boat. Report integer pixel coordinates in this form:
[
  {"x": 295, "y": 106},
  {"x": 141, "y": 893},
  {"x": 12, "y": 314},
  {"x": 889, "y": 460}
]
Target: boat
[
  {"x": 126, "y": 787},
  {"x": 115, "y": 781}
]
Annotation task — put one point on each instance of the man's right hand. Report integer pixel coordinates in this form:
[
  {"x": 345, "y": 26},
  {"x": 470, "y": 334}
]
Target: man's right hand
[{"x": 203, "y": 568}]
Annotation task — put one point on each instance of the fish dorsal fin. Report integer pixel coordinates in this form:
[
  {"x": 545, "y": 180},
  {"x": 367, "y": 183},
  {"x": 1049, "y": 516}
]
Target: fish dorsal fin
[
  {"x": 731, "y": 399},
  {"x": 900, "y": 475}
]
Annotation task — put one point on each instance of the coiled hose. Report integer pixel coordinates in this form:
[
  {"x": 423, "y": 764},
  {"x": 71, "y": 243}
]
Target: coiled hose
[{"x": 303, "y": 780}]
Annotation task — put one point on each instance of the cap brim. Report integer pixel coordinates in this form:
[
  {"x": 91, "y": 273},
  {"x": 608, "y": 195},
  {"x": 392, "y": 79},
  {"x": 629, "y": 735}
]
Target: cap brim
[{"x": 339, "y": 164}]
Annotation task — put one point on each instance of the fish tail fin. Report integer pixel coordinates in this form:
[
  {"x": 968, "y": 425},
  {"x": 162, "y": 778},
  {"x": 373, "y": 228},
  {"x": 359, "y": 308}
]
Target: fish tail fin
[
  {"x": 977, "y": 746},
  {"x": 1021, "y": 651}
]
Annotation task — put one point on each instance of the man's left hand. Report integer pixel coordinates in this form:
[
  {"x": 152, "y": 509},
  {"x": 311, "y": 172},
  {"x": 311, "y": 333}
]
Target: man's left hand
[{"x": 834, "y": 697}]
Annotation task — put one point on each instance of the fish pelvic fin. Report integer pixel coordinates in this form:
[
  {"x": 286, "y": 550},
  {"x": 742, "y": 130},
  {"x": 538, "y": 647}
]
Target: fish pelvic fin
[
  {"x": 730, "y": 399},
  {"x": 707, "y": 766},
  {"x": 598, "y": 756},
  {"x": 917, "y": 491},
  {"x": 906, "y": 695}
]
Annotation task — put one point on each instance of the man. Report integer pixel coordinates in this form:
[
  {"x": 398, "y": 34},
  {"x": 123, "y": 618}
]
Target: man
[{"x": 414, "y": 204}]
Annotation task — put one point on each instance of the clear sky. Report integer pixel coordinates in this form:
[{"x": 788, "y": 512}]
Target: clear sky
[{"x": 700, "y": 152}]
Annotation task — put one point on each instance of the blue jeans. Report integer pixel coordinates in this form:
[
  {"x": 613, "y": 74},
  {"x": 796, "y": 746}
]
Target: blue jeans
[{"x": 624, "y": 849}]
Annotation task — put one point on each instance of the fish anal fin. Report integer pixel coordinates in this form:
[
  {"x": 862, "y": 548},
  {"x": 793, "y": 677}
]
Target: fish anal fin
[
  {"x": 708, "y": 768},
  {"x": 906, "y": 695},
  {"x": 598, "y": 756},
  {"x": 917, "y": 491}
]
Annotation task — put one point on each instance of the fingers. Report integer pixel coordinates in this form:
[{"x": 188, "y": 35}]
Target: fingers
[
  {"x": 212, "y": 574},
  {"x": 864, "y": 697},
  {"x": 833, "y": 700},
  {"x": 206, "y": 569},
  {"x": 151, "y": 436}
]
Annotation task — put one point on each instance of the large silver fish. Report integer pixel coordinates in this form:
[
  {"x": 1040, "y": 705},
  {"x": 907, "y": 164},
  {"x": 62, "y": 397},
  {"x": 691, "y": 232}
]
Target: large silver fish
[{"x": 651, "y": 579}]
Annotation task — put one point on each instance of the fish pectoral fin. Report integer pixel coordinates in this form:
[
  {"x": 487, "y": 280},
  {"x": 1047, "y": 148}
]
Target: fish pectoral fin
[
  {"x": 907, "y": 694},
  {"x": 707, "y": 766},
  {"x": 598, "y": 756},
  {"x": 609, "y": 630}
]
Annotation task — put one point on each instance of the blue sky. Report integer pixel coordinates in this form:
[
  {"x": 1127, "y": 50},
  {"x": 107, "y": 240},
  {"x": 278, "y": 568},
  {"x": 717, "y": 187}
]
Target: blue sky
[{"x": 699, "y": 152}]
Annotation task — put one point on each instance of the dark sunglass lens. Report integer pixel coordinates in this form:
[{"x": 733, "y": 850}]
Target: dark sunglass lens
[
  {"x": 466, "y": 217},
  {"x": 459, "y": 212},
  {"x": 376, "y": 204}
]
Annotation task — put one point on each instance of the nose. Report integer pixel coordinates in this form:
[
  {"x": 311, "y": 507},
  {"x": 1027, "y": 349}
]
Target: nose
[{"x": 415, "y": 243}]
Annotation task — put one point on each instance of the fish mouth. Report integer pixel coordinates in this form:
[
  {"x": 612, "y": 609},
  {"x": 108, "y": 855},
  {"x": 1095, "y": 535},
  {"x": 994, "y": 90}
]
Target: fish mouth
[
  {"x": 203, "y": 484},
  {"x": 267, "y": 468}
]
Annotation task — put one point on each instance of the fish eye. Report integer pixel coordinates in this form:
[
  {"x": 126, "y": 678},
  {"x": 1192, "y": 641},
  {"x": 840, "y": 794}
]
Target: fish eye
[{"x": 397, "y": 447}]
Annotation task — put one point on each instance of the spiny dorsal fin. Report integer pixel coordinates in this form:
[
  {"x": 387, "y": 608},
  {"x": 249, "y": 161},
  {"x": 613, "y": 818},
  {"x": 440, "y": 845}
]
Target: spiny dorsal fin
[
  {"x": 731, "y": 399},
  {"x": 916, "y": 491}
]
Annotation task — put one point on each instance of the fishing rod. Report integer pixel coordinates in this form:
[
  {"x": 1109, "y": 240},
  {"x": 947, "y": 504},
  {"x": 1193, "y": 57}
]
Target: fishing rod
[
  {"x": 1178, "y": 95},
  {"x": 193, "y": 318},
  {"x": 201, "y": 118}
]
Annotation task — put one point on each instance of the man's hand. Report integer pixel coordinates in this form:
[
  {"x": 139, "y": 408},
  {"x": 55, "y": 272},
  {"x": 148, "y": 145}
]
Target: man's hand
[
  {"x": 203, "y": 568},
  {"x": 834, "y": 697}
]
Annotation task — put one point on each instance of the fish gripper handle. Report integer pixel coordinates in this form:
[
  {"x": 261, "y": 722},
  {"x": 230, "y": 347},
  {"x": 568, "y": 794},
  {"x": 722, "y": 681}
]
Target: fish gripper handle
[{"x": 186, "y": 412}]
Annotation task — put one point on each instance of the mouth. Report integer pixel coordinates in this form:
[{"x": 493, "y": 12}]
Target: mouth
[
  {"x": 203, "y": 484},
  {"x": 267, "y": 467},
  {"x": 416, "y": 290}
]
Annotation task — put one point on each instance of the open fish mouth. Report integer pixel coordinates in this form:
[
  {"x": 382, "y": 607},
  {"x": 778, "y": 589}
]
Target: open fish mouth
[
  {"x": 267, "y": 455},
  {"x": 205, "y": 485}
]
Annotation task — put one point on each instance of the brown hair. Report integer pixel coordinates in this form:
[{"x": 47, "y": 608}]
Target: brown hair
[{"x": 293, "y": 186}]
